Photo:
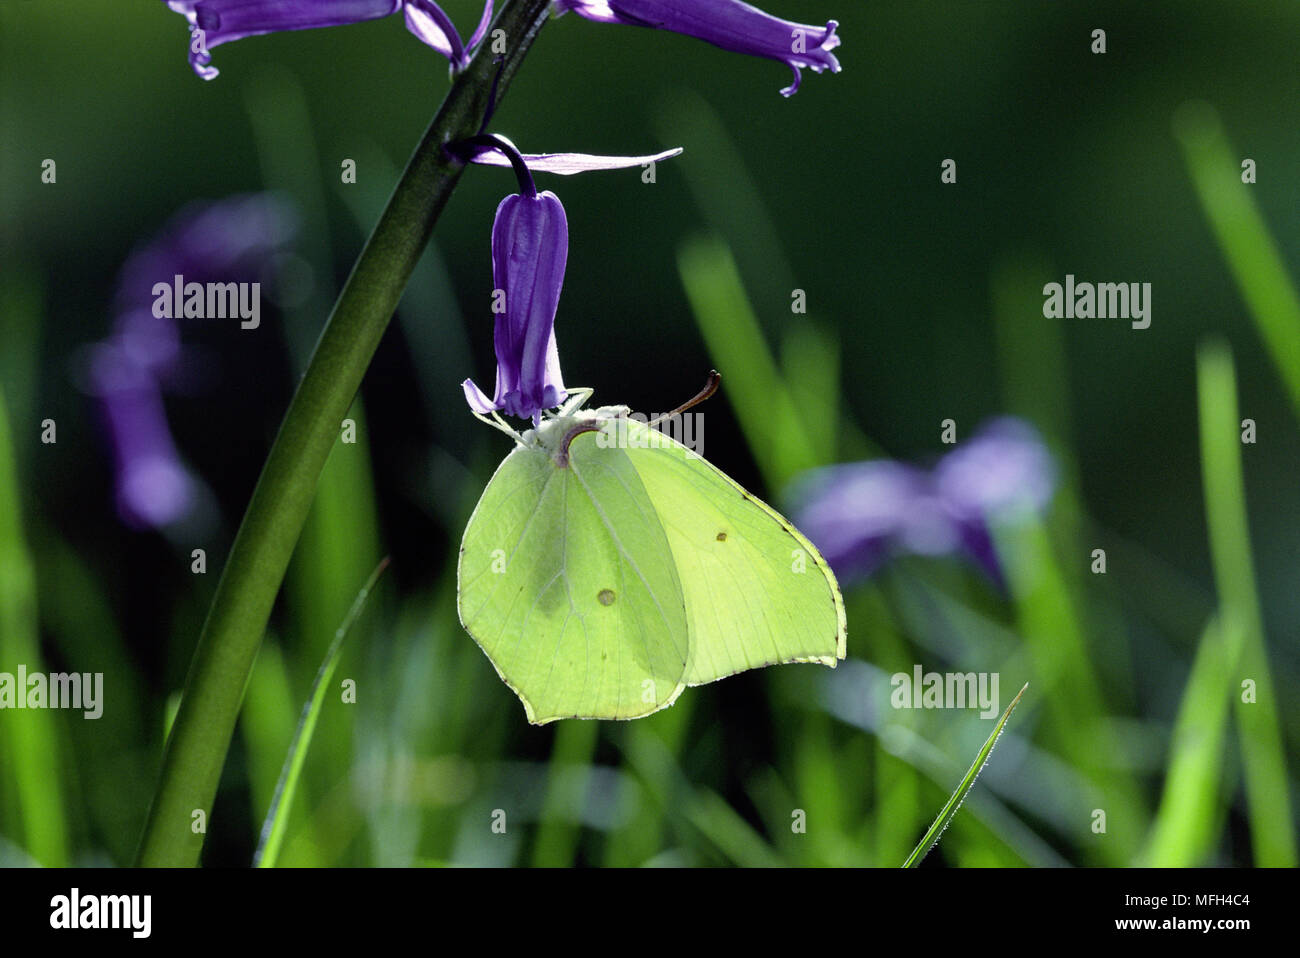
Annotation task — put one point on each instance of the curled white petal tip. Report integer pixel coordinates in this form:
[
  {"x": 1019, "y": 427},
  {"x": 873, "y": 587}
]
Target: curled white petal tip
[{"x": 567, "y": 164}]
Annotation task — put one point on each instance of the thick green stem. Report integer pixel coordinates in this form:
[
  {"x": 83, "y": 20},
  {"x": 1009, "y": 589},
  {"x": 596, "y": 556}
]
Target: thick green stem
[{"x": 227, "y": 648}]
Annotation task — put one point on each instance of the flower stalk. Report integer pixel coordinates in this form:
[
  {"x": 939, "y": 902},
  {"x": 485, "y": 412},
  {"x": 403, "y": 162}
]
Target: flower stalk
[{"x": 196, "y": 749}]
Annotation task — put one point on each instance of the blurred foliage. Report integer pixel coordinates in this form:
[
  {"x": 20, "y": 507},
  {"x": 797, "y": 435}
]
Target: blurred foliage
[{"x": 924, "y": 303}]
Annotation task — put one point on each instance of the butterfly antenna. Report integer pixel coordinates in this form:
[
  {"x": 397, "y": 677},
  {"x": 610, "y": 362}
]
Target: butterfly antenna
[{"x": 710, "y": 387}]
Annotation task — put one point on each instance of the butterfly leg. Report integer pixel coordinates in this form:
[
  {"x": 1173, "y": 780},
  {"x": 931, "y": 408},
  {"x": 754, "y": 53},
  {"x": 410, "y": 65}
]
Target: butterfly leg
[{"x": 577, "y": 399}]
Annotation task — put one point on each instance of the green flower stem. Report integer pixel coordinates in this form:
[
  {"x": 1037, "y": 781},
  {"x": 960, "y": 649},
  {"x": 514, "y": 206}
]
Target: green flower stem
[{"x": 227, "y": 648}]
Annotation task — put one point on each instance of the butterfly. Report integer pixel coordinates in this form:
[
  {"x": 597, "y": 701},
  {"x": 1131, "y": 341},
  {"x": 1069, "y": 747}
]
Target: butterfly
[{"x": 607, "y": 567}]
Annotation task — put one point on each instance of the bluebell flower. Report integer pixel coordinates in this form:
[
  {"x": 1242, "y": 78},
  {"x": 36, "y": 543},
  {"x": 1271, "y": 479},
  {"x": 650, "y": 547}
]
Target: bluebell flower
[
  {"x": 860, "y": 514},
  {"x": 214, "y": 22},
  {"x": 729, "y": 24},
  {"x": 530, "y": 247}
]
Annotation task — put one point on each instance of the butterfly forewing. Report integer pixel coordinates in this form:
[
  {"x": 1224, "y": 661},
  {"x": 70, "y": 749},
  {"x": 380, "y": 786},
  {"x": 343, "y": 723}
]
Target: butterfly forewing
[{"x": 567, "y": 582}]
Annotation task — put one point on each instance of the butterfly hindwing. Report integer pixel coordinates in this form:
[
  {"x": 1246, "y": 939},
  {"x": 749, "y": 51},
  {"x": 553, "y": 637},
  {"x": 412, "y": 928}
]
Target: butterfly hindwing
[{"x": 757, "y": 592}]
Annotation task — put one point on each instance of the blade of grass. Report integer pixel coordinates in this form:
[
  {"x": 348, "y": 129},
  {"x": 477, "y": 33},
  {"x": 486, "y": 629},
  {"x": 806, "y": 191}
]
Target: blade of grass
[
  {"x": 809, "y": 353},
  {"x": 734, "y": 837},
  {"x": 29, "y": 740},
  {"x": 110, "y": 783},
  {"x": 267, "y": 723},
  {"x": 1033, "y": 370},
  {"x": 1267, "y": 799},
  {"x": 896, "y": 782},
  {"x": 339, "y": 546},
  {"x": 827, "y": 783},
  {"x": 810, "y": 362},
  {"x": 1184, "y": 830},
  {"x": 558, "y": 829},
  {"x": 728, "y": 197},
  {"x": 277, "y": 819},
  {"x": 1027, "y": 788},
  {"x": 711, "y": 818},
  {"x": 945, "y": 816},
  {"x": 1049, "y": 613},
  {"x": 1035, "y": 384},
  {"x": 643, "y": 837},
  {"x": 1243, "y": 237},
  {"x": 752, "y": 382}
]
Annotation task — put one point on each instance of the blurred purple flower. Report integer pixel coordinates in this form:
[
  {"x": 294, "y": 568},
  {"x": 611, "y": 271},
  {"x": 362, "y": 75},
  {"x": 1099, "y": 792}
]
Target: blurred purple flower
[
  {"x": 232, "y": 240},
  {"x": 530, "y": 246},
  {"x": 859, "y": 514},
  {"x": 214, "y": 22},
  {"x": 153, "y": 487},
  {"x": 729, "y": 24}
]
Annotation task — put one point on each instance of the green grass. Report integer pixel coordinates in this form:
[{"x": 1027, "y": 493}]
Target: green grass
[
  {"x": 771, "y": 419},
  {"x": 558, "y": 831},
  {"x": 31, "y": 776},
  {"x": 1187, "y": 823},
  {"x": 950, "y": 807},
  {"x": 1243, "y": 236},
  {"x": 275, "y": 827},
  {"x": 1259, "y": 736}
]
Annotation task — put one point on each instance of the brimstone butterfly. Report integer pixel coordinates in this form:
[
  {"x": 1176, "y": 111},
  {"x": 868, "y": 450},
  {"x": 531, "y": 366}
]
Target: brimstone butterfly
[{"x": 607, "y": 567}]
